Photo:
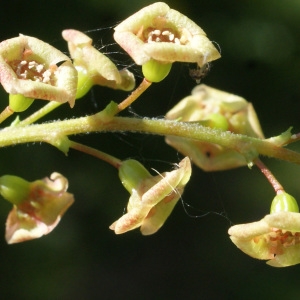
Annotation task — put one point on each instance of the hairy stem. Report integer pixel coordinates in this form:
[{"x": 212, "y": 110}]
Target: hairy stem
[
  {"x": 269, "y": 175},
  {"x": 134, "y": 95},
  {"x": 115, "y": 162},
  {"x": 100, "y": 123},
  {"x": 7, "y": 112}
]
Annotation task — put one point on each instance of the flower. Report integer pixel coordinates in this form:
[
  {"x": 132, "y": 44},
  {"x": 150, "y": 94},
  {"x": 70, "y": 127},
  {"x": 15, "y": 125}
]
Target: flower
[
  {"x": 152, "y": 197},
  {"x": 38, "y": 206},
  {"x": 216, "y": 109},
  {"x": 276, "y": 237},
  {"x": 34, "y": 69},
  {"x": 159, "y": 33},
  {"x": 93, "y": 67}
]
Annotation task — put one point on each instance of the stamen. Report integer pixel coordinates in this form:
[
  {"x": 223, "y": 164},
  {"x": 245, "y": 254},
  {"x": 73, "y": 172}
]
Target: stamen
[
  {"x": 39, "y": 68},
  {"x": 166, "y": 32},
  {"x": 177, "y": 41}
]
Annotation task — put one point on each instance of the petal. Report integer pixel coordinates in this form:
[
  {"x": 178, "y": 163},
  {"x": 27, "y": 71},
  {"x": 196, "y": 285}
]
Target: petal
[
  {"x": 21, "y": 227},
  {"x": 289, "y": 221},
  {"x": 250, "y": 239},
  {"x": 143, "y": 17},
  {"x": 159, "y": 213},
  {"x": 169, "y": 181},
  {"x": 100, "y": 68},
  {"x": 291, "y": 256}
]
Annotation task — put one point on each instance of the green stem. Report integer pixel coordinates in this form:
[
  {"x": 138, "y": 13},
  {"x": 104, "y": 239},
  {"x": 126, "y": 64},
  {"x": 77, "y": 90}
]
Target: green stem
[
  {"x": 134, "y": 95},
  {"x": 48, "y": 132},
  {"x": 40, "y": 113},
  {"x": 269, "y": 175},
  {"x": 7, "y": 112},
  {"x": 115, "y": 162}
]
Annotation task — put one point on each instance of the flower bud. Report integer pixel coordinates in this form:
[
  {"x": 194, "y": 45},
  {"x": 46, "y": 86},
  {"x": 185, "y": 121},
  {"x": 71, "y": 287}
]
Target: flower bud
[
  {"x": 14, "y": 189},
  {"x": 284, "y": 202},
  {"x": 155, "y": 71},
  {"x": 19, "y": 103},
  {"x": 131, "y": 173}
]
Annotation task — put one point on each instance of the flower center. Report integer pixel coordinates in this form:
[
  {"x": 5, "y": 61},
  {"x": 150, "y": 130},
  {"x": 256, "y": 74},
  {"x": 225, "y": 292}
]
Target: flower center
[
  {"x": 32, "y": 70},
  {"x": 166, "y": 35},
  {"x": 279, "y": 239}
]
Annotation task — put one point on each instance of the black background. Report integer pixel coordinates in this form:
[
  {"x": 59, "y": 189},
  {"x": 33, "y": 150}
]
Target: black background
[{"x": 189, "y": 258}]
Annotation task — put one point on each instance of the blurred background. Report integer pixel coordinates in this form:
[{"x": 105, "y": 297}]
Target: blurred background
[{"x": 189, "y": 258}]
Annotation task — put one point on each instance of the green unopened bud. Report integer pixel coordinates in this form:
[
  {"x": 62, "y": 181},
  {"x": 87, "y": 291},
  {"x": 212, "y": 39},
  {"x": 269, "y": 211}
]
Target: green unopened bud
[
  {"x": 85, "y": 82},
  {"x": 131, "y": 172},
  {"x": 155, "y": 71},
  {"x": 14, "y": 189},
  {"x": 19, "y": 103},
  {"x": 284, "y": 202},
  {"x": 217, "y": 121}
]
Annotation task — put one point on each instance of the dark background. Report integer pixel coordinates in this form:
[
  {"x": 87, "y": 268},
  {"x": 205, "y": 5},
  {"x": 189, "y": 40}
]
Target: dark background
[{"x": 189, "y": 258}]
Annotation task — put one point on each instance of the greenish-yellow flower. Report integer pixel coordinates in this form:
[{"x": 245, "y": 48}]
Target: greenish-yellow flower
[
  {"x": 35, "y": 69},
  {"x": 216, "y": 109},
  {"x": 38, "y": 205},
  {"x": 152, "y": 197},
  {"x": 275, "y": 238},
  {"x": 163, "y": 34},
  {"x": 93, "y": 67}
]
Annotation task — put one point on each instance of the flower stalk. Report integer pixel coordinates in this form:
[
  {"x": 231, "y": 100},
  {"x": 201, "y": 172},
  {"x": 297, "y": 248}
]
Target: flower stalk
[{"x": 250, "y": 147}]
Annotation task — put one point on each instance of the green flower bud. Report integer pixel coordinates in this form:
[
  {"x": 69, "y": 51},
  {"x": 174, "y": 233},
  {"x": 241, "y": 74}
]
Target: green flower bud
[
  {"x": 19, "y": 103},
  {"x": 131, "y": 173},
  {"x": 155, "y": 71},
  {"x": 14, "y": 189},
  {"x": 217, "y": 121},
  {"x": 284, "y": 202}
]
